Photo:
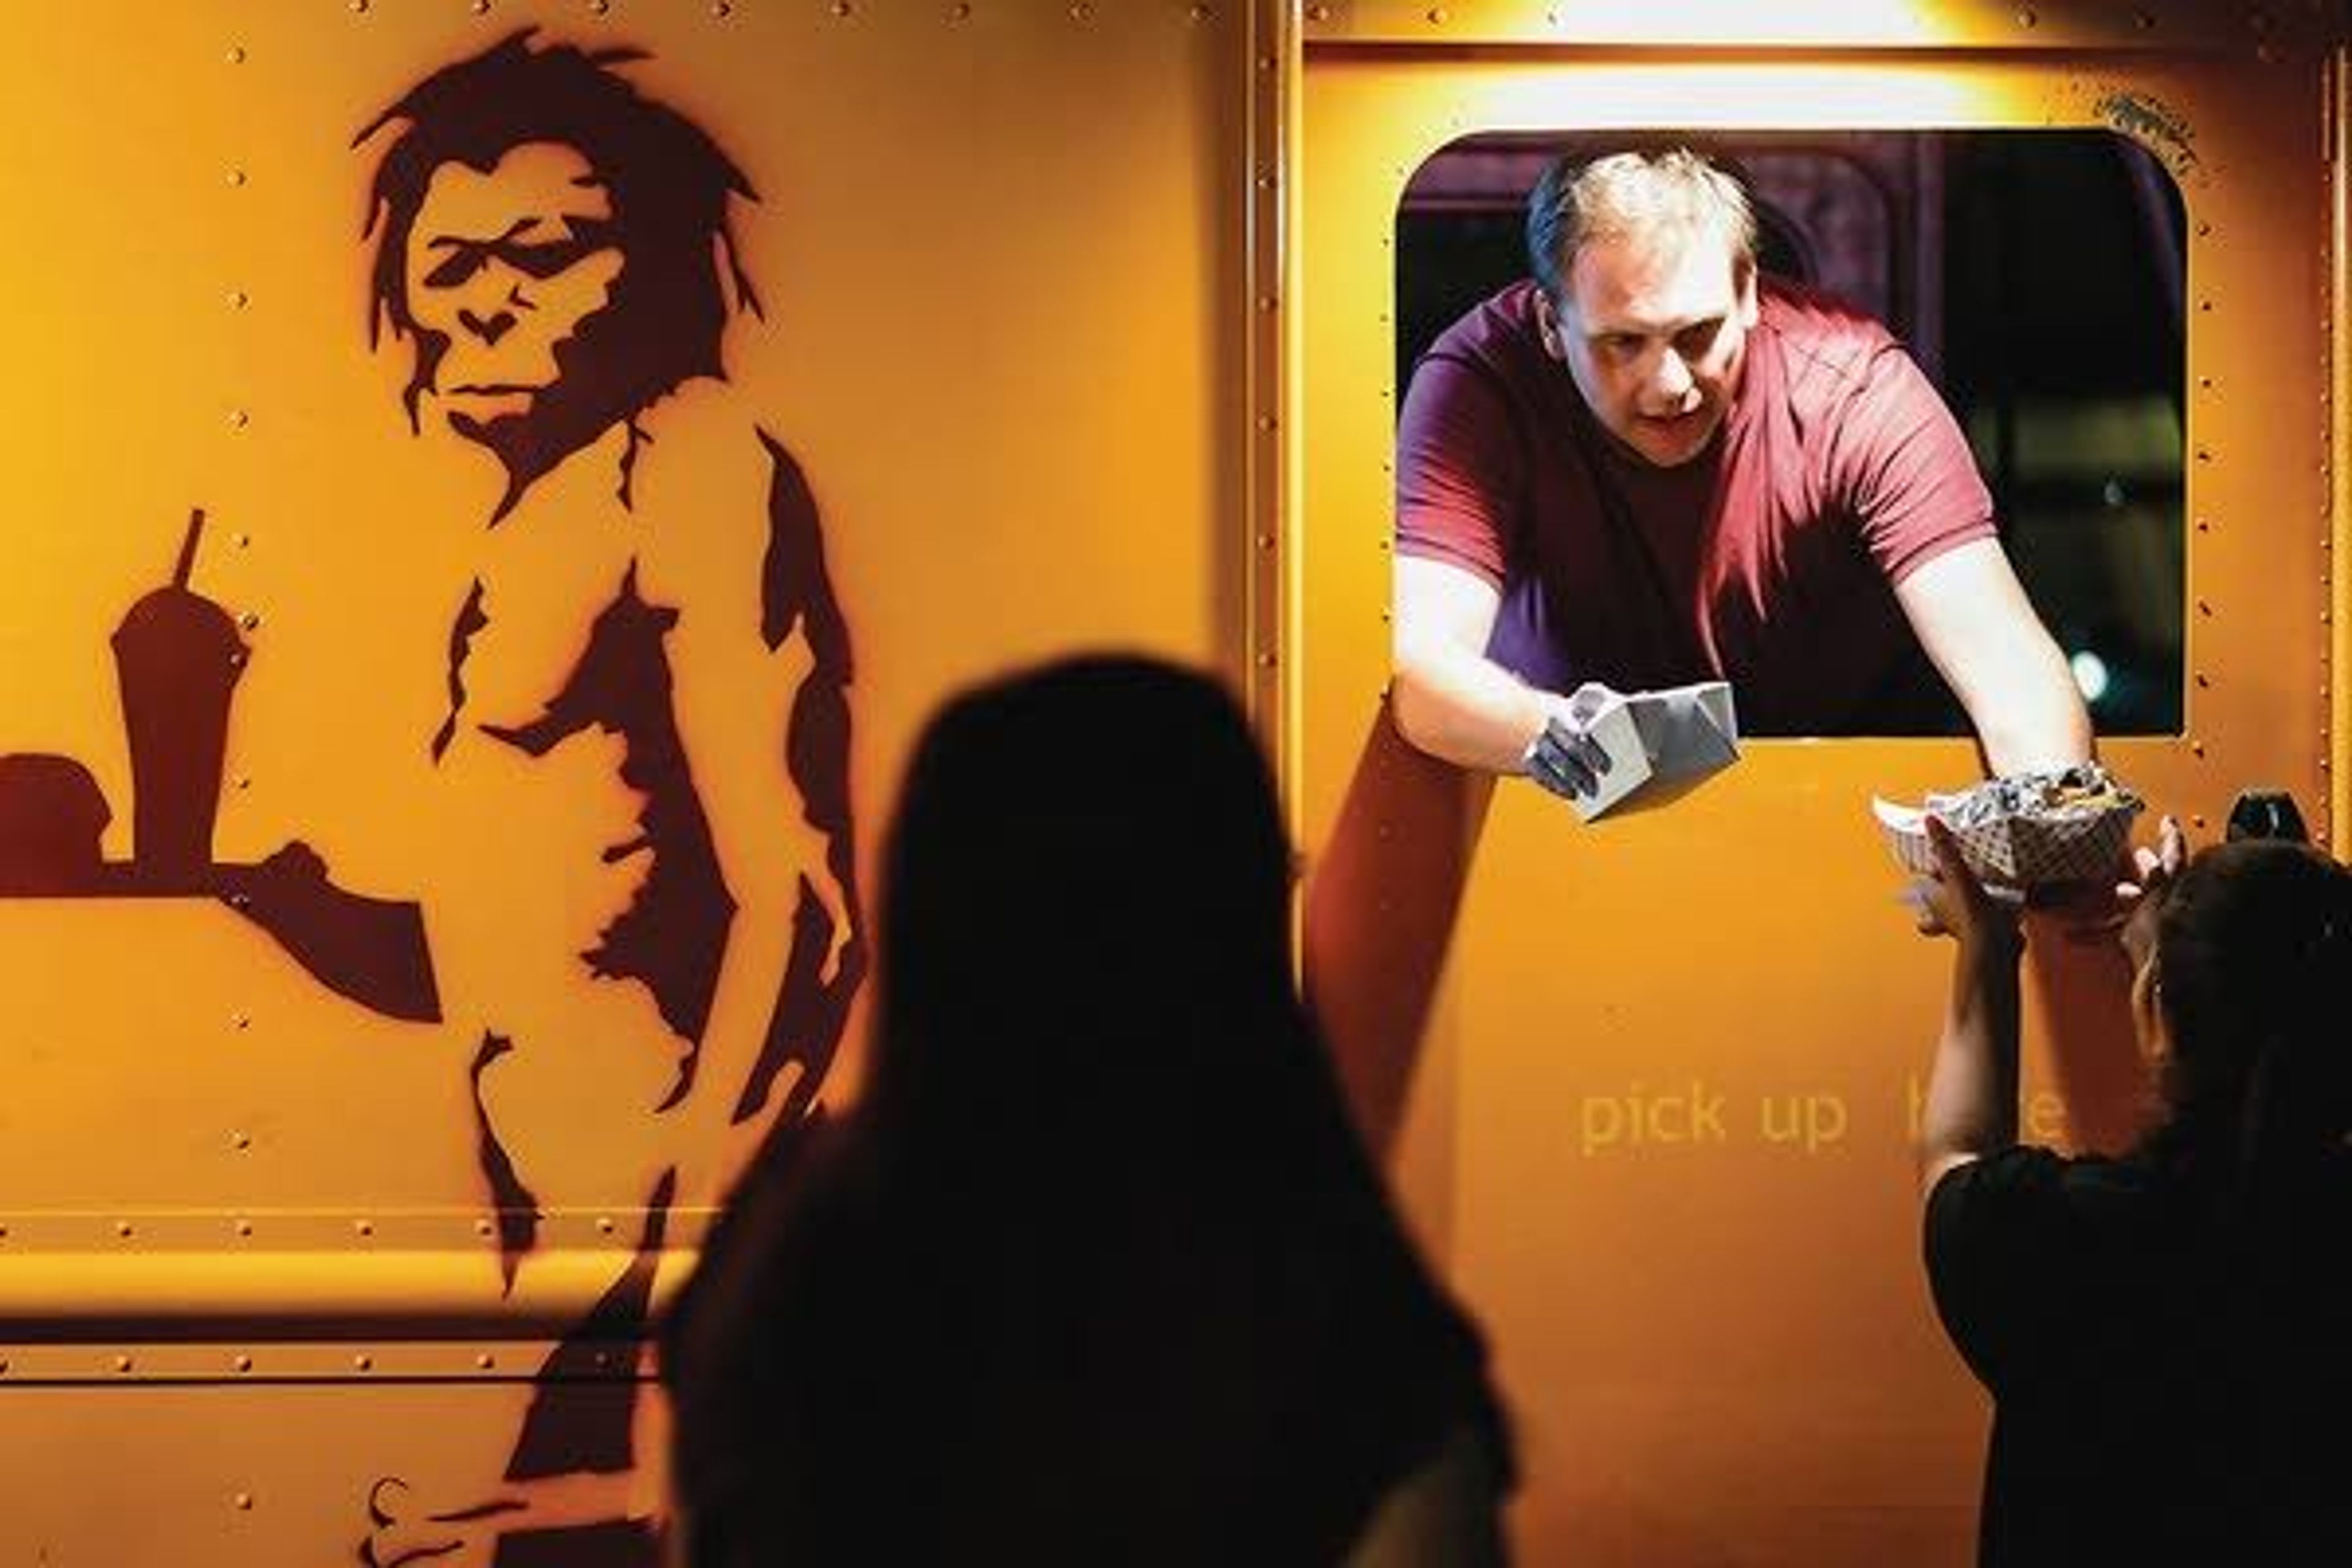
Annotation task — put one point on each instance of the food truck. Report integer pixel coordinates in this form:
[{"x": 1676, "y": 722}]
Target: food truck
[{"x": 504, "y": 482}]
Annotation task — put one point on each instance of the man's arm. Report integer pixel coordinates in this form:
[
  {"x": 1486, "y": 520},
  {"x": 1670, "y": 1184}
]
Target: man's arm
[
  {"x": 1450, "y": 699},
  {"x": 1969, "y": 611}
]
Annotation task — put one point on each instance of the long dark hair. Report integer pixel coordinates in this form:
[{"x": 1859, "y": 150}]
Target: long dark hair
[
  {"x": 2254, "y": 970},
  {"x": 1098, "y": 1268}
]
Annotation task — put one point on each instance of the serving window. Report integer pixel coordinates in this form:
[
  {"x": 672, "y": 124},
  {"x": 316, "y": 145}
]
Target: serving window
[{"x": 2063, "y": 360}]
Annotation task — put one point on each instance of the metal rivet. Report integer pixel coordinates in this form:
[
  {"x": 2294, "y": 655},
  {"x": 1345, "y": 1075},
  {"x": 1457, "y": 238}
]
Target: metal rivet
[
  {"x": 481, "y": 1228},
  {"x": 2143, "y": 20},
  {"x": 241, "y": 1140},
  {"x": 1199, "y": 12},
  {"x": 243, "y": 1499},
  {"x": 363, "y": 1361},
  {"x": 249, "y": 620},
  {"x": 241, "y": 782},
  {"x": 236, "y": 176},
  {"x": 959, "y": 13},
  {"x": 2204, "y": 228},
  {"x": 238, "y": 298},
  {"x": 2196, "y": 748},
  {"x": 123, "y": 1228},
  {"x": 359, "y": 5},
  {"x": 2197, "y": 821},
  {"x": 2204, "y": 606},
  {"x": 244, "y": 1227},
  {"x": 2204, "y": 307},
  {"x": 1265, "y": 661},
  {"x": 721, "y": 9},
  {"x": 2204, "y": 453},
  {"x": 1319, "y": 13},
  {"x": 1267, "y": 301},
  {"x": 2203, "y": 680},
  {"x": 1265, "y": 541},
  {"x": 598, "y": 8},
  {"x": 365, "y": 1227},
  {"x": 241, "y": 1021},
  {"x": 485, "y": 1360},
  {"x": 241, "y": 539},
  {"x": 238, "y": 418},
  {"x": 235, "y": 56},
  {"x": 840, "y": 7},
  {"x": 243, "y": 1363},
  {"x": 604, "y": 1224},
  {"x": 481, "y": 7},
  {"x": 123, "y": 1364},
  {"x": 4, "y": 1365},
  {"x": 2026, "y": 18},
  {"x": 1081, "y": 12},
  {"x": 1437, "y": 16},
  {"x": 238, "y": 900}
]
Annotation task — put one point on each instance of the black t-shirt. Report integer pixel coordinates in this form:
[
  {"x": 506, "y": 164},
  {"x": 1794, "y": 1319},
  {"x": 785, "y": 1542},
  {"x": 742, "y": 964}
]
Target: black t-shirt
[{"x": 2171, "y": 1383}]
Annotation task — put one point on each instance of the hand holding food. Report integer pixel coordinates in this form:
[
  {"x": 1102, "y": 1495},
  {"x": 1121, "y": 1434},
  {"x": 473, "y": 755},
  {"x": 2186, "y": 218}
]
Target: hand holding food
[{"x": 2024, "y": 830}]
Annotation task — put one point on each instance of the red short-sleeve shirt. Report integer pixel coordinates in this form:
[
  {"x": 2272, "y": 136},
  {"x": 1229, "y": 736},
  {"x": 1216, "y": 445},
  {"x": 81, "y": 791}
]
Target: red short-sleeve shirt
[{"x": 1770, "y": 561}]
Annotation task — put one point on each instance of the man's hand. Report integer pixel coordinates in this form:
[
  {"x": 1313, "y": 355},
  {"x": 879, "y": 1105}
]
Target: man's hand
[{"x": 1565, "y": 759}]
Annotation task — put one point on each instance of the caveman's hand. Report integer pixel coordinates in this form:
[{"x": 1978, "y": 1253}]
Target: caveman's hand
[{"x": 406, "y": 1532}]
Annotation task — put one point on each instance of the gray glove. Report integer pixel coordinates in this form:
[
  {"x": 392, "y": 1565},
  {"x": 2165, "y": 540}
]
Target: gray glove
[{"x": 1564, "y": 759}]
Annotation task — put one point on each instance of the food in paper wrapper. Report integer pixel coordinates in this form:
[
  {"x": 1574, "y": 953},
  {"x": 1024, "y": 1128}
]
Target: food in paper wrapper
[{"x": 2065, "y": 825}]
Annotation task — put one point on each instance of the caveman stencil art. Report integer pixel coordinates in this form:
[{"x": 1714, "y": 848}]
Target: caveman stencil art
[
  {"x": 649, "y": 606},
  {"x": 644, "y": 925}
]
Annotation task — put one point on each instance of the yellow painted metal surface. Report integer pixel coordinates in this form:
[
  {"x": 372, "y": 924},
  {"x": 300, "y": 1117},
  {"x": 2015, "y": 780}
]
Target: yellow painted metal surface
[
  {"x": 1648, "y": 1088},
  {"x": 1001, "y": 254},
  {"x": 1076, "y": 320}
]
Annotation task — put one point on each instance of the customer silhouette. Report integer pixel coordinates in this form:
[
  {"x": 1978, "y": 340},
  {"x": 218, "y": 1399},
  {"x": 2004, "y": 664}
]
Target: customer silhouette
[
  {"x": 1095, "y": 1271},
  {"x": 2167, "y": 1335}
]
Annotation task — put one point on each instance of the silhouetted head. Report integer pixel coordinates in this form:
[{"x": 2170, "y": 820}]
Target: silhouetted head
[
  {"x": 1085, "y": 903},
  {"x": 2249, "y": 971},
  {"x": 555, "y": 246},
  {"x": 1097, "y": 1270}
]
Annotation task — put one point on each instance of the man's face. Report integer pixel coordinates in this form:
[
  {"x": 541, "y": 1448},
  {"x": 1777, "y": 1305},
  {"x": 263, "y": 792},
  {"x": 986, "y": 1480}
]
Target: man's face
[
  {"x": 507, "y": 265},
  {"x": 1654, "y": 330}
]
